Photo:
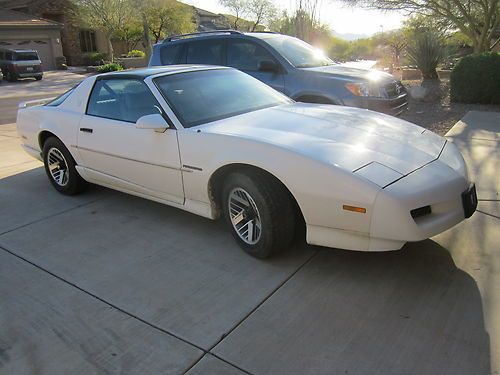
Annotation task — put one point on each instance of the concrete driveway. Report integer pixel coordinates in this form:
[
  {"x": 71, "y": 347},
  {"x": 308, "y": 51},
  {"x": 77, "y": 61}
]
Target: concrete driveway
[
  {"x": 53, "y": 83},
  {"x": 106, "y": 283}
]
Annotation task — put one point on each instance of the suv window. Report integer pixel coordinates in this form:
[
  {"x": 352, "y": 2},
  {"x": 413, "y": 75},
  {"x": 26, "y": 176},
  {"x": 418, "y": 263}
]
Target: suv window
[
  {"x": 8, "y": 56},
  {"x": 122, "y": 99},
  {"x": 205, "y": 52},
  {"x": 26, "y": 56},
  {"x": 245, "y": 55},
  {"x": 169, "y": 55}
]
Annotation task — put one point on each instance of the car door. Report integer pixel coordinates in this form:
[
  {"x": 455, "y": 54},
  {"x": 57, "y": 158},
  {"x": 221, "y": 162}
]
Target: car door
[
  {"x": 117, "y": 153},
  {"x": 246, "y": 55}
]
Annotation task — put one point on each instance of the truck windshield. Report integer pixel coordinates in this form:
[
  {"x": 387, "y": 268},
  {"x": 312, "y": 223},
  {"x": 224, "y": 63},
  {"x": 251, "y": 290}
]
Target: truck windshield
[
  {"x": 299, "y": 53},
  {"x": 26, "y": 56}
]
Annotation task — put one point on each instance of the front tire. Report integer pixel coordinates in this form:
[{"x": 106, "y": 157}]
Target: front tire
[
  {"x": 60, "y": 168},
  {"x": 259, "y": 213}
]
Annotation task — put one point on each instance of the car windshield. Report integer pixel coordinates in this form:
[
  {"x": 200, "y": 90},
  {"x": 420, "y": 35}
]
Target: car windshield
[
  {"x": 299, "y": 53},
  {"x": 208, "y": 95},
  {"x": 26, "y": 56}
]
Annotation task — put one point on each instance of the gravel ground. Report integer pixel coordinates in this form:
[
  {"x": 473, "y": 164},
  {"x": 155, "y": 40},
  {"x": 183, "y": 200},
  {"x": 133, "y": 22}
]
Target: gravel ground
[{"x": 441, "y": 115}]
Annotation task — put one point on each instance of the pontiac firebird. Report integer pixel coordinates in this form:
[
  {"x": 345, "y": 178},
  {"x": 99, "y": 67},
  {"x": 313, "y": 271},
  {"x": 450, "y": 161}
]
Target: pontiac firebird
[{"x": 216, "y": 142}]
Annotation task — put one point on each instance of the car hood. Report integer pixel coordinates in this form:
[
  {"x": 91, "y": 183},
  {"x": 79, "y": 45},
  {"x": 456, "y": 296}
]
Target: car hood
[
  {"x": 346, "y": 72},
  {"x": 349, "y": 138}
]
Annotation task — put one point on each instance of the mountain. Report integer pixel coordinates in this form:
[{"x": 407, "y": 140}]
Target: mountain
[{"x": 349, "y": 36}]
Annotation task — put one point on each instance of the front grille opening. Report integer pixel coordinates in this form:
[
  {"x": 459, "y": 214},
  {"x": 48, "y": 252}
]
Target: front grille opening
[{"x": 421, "y": 211}]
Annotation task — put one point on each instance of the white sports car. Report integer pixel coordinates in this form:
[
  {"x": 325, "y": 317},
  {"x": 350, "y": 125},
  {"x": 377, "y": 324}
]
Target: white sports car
[{"x": 215, "y": 141}]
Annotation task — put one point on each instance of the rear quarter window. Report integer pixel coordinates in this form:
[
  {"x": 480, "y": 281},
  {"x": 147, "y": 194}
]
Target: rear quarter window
[{"x": 169, "y": 55}]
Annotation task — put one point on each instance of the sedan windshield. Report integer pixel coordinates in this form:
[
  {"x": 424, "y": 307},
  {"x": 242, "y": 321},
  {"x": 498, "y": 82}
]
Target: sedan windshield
[
  {"x": 208, "y": 95},
  {"x": 299, "y": 53}
]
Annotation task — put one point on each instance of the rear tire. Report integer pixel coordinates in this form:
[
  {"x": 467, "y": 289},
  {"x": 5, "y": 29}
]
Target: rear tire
[
  {"x": 38, "y": 78},
  {"x": 60, "y": 168},
  {"x": 259, "y": 213},
  {"x": 10, "y": 77}
]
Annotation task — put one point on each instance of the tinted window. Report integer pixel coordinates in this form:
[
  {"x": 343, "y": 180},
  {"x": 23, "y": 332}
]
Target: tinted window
[
  {"x": 299, "y": 53},
  {"x": 61, "y": 98},
  {"x": 8, "y": 56},
  {"x": 205, "y": 52},
  {"x": 169, "y": 55},
  {"x": 26, "y": 56},
  {"x": 245, "y": 55},
  {"x": 209, "y": 95},
  {"x": 122, "y": 99}
]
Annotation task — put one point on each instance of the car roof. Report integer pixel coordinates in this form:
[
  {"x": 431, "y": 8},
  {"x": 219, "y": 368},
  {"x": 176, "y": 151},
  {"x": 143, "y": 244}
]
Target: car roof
[
  {"x": 218, "y": 34},
  {"x": 157, "y": 71},
  {"x": 17, "y": 49}
]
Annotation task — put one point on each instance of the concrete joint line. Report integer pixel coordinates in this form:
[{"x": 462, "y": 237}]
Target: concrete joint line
[
  {"x": 486, "y": 213},
  {"x": 263, "y": 301},
  {"x": 50, "y": 216},
  {"x": 2, "y": 247}
]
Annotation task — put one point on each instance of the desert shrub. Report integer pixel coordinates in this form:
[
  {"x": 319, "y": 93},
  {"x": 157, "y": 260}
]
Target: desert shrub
[
  {"x": 476, "y": 79},
  {"x": 94, "y": 58},
  {"x": 426, "y": 52},
  {"x": 111, "y": 67},
  {"x": 136, "y": 53}
]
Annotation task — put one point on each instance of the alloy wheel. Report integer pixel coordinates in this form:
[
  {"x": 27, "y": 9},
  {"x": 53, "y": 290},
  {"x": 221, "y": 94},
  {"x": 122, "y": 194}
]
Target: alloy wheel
[{"x": 245, "y": 216}]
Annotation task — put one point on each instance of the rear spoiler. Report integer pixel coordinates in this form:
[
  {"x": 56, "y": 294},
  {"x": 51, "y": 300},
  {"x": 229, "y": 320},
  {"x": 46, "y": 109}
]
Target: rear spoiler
[{"x": 32, "y": 103}]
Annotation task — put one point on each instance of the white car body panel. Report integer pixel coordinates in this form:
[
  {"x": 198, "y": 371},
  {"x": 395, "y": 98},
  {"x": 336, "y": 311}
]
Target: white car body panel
[{"x": 327, "y": 157}]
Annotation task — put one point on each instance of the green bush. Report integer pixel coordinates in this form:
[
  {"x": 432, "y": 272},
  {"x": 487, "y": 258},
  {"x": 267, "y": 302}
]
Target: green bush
[
  {"x": 94, "y": 58},
  {"x": 476, "y": 79},
  {"x": 136, "y": 53},
  {"x": 111, "y": 67}
]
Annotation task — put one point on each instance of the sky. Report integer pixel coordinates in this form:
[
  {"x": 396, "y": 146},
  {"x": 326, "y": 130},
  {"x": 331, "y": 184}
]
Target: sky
[{"x": 342, "y": 19}]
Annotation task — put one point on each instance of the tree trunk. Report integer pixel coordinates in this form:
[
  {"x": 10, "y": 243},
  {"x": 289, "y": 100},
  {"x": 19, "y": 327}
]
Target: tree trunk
[
  {"x": 430, "y": 75},
  {"x": 145, "y": 36},
  {"x": 111, "y": 50}
]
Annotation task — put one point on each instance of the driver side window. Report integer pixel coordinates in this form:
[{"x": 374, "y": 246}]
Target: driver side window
[
  {"x": 246, "y": 56},
  {"x": 122, "y": 99}
]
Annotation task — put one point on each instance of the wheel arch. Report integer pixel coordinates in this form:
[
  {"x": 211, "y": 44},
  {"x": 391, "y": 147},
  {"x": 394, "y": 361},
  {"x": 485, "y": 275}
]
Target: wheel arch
[
  {"x": 316, "y": 98},
  {"x": 43, "y": 136},
  {"x": 217, "y": 178}
]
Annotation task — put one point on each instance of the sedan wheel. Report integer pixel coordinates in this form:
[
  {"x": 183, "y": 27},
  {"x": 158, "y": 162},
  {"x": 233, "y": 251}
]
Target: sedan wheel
[
  {"x": 245, "y": 216},
  {"x": 60, "y": 168},
  {"x": 259, "y": 211}
]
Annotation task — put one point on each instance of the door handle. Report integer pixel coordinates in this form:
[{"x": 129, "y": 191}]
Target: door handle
[{"x": 86, "y": 130}]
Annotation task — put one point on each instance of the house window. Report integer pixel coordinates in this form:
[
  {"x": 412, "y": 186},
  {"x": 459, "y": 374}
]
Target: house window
[{"x": 87, "y": 41}]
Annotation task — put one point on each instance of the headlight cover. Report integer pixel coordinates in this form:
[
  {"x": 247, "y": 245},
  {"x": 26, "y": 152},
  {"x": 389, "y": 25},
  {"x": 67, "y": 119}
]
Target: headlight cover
[
  {"x": 364, "y": 89},
  {"x": 454, "y": 159},
  {"x": 378, "y": 173}
]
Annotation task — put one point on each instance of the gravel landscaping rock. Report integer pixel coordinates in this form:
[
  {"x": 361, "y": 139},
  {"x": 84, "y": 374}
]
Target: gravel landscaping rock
[{"x": 441, "y": 115}]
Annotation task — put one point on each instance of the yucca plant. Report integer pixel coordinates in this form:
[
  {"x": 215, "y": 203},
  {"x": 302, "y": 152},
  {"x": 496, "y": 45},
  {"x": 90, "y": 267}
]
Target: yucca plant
[{"x": 426, "y": 51}]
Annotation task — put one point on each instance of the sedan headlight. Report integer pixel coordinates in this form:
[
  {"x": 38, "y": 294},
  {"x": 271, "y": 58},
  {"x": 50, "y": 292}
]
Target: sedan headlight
[{"x": 365, "y": 89}]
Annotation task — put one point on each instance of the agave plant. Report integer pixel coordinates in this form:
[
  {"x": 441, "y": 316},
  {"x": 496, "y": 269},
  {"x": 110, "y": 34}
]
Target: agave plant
[{"x": 426, "y": 52}]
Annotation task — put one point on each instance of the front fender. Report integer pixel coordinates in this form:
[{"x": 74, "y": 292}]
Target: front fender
[{"x": 321, "y": 190}]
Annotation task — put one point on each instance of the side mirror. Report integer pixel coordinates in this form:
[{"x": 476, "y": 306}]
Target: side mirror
[
  {"x": 268, "y": 66},
  {"x": 154, "y": 121}
]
